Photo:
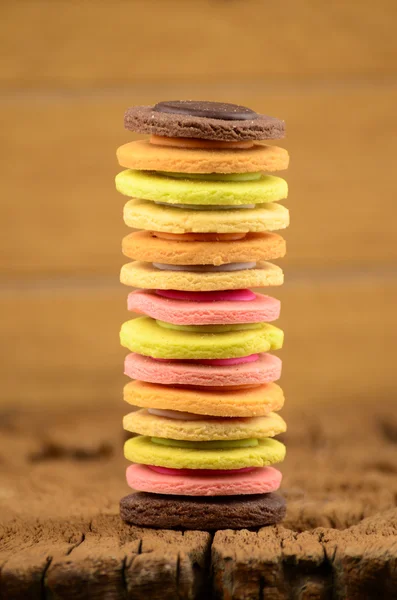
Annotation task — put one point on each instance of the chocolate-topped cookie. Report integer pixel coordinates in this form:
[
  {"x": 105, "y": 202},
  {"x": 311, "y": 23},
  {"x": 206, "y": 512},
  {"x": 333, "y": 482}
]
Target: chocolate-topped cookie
[
  {"x": 210, "y": 110},
  {"x": 203, "y": 120},
  {"x": 222, "y": 512}
]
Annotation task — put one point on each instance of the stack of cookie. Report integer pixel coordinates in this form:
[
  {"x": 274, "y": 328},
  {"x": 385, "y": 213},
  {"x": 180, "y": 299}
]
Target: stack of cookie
[{"x": 202, "y": 375}]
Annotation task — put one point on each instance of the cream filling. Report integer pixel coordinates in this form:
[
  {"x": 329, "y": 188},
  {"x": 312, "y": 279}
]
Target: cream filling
[
  {"x": 206, "y": 268},
  {"x": 214, "y": 176},
  {"x": 206, "y": 445},
  {"x": 178, "y": 415},
  {"x": 210, "y": 328},
  {"x": 206, "y": 206}
]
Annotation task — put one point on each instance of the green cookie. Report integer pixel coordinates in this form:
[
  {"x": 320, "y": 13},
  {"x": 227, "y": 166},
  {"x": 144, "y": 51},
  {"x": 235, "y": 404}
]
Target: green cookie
[
  {"x": 142, "y": 450},
  {"x": 144, "y": 336},
  {"x": 207, "y": 445},
  {"x": 149, "y": 185}
]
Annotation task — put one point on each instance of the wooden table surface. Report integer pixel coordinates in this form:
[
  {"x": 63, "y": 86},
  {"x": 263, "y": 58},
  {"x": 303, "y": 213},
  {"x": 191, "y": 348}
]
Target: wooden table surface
[{"x": 62, "y": 475}]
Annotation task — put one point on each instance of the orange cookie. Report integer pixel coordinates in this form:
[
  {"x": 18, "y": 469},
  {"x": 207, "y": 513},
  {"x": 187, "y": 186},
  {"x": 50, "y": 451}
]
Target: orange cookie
[
  {"x": 142, "y": 155},
  {"x": 143, "y": 246},
  {"x": 248, "y": 402}
]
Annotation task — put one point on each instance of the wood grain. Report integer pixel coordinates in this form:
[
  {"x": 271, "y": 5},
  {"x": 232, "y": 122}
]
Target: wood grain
[
  {"x": 68, "y": 70},
  {"x": 61, "y": 343},
  {"x": 49, "y": 44},
  {"x": 62, "y": 214},
  {"x": 61, "y": 536}
]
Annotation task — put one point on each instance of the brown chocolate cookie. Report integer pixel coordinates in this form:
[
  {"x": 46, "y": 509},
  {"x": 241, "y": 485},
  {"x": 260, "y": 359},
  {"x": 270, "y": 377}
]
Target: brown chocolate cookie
[
  {"x": 233, "y": 512},
  {"x": 203, "y": 120}
]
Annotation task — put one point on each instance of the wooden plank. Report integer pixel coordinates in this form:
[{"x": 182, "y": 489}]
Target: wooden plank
[
  {"x": 67, "y": 341},
  {"x": 46, "y": 43},
  {"x": 62, "y": 214},
  {"x": 61, "y": 536},
  {"x": 281, "y": 564},
  {"x": 100, "y": 564},
  {"x": 61, "y": 344}
]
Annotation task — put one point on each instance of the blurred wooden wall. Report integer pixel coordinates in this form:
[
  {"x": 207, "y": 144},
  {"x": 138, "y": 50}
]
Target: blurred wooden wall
[{"x": 68, "y": 70}]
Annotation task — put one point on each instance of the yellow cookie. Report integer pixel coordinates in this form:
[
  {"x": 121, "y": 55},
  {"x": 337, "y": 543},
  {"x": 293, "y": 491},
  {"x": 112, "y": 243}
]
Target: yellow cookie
[
  {"x": 202, "y": 429},
  {"x": 145, "y": 275},
  {"x": 142, "y": 214}
]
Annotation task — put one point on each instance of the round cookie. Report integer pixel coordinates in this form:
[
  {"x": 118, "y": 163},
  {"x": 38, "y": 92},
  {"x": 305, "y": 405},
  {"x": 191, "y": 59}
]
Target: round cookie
[
  {"x": 211, "y": 123},
  {"x": 159, "y": 187},
  {"x": 144, "y": 156},
  {"x": 183, "y": 312},
  {"x": 144, "y": 275},
  {"x": 145, "y": 336},
  {"x": 265, "y": 369},
  {"x": 142, "y": 214},
  {"x": 143, "y": 246},
  {"x": 259, "y": 481},
  {"x": 201, "y": 513},
  {"x": 203, "y": 429},
  {"x": 142, "y": 450},
  {"x": 245, "y": 402}
]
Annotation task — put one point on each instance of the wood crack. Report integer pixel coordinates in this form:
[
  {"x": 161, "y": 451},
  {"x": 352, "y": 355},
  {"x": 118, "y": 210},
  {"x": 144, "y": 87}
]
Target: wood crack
[
  {"x": 43, "y": 577},
  {"x": 81, "y": 541},
  {"x": 123, "y": 577}
]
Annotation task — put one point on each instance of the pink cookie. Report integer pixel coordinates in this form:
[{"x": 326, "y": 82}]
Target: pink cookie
[
  {"x": 183, "y": 312},
  {"x": 265, "y": 369},
  {"x": 259, "y": 481}
]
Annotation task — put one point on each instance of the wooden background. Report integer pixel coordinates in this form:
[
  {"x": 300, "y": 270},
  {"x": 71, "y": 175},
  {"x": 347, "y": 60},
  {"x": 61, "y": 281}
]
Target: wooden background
[{"x": 69, "y": 69}]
